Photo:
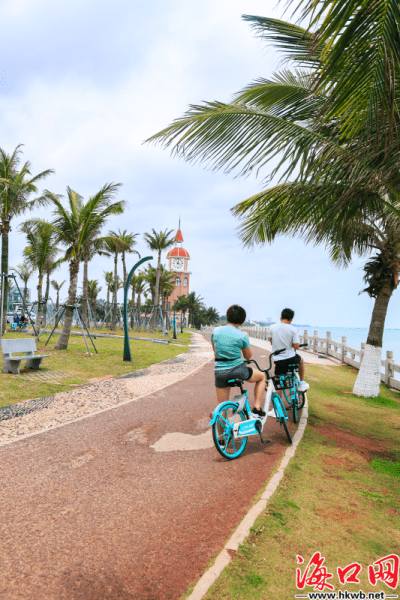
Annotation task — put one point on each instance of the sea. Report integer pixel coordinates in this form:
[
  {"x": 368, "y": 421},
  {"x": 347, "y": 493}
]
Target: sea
[{"x": 356, "y": 335}]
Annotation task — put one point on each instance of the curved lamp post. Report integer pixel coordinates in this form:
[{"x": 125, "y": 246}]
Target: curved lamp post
[{"x": 127, "y": 348}]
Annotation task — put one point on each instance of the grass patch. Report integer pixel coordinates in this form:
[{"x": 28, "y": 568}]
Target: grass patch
[
  {"x": 383, "y": 401},
  {"x": 340, "y": 496},
  {"x": 66, "y": 369}
]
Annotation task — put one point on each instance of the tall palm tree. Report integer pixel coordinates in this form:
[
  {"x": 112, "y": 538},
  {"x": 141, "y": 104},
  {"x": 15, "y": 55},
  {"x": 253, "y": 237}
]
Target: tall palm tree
[
  {"x": 57, "y": 286},
  {"x": 96, "y": 245},
  {"x": 115, "y": 245},
  {"x": 140, "y": 289},
  {"x": 158, "y": 242},
  {"x": 24, "y": 272},
  {"x": 108, "y": 277},
  {"x": 337, "y": 166},
  {"x": 16, "y": 186},
  {"x": 181, "y": 305},
  {"x": 73, "y": 226},
  {"x": 129, "y": 242},
  {"x": 212, "y": 315},
  {"x": 41, "y": 253}
]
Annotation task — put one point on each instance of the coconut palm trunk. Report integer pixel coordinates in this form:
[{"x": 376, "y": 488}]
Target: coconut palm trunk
[
  {"x": 62, "y": 343},
  {"x": 85, "y": 284},
  {"x": 369, "y": 376},
  {"x": 133, "y": 283},
  {"x": 46, "y": 299},
  {"x": 156, "y": 302},
  {"x": 5, "y": 229},
  {"x": 114, "y": 308},
  {"x": 40, "y": 303}
]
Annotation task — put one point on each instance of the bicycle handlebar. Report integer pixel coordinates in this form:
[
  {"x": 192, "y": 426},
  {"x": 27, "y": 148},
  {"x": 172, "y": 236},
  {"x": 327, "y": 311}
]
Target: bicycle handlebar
[{"x": 270, "y": 359}]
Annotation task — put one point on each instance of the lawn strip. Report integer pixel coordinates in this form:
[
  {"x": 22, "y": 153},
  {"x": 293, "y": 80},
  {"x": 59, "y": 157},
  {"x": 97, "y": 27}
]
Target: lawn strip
[
  {"x": 67, "y": 369},
  {"x": 335, "y": 498}
]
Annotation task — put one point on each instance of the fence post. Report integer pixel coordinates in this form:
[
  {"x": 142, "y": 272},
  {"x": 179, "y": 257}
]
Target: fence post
[
  {"x": 315, "y": 341},
  {"x": 388, "y": 366},
  {"x": 306, "y": 336},
  {"x": 328, "y": 342},
  {"x": 342, "y": 348}
]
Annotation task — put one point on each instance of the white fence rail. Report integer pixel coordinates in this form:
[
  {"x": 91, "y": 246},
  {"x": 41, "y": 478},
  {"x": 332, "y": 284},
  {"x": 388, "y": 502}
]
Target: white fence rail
[{"x": 338, "y": 350}]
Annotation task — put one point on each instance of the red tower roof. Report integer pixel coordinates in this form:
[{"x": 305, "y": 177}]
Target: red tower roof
[
  {"x": 178, "y": 252},
  {"x": 178, "y": 237}
]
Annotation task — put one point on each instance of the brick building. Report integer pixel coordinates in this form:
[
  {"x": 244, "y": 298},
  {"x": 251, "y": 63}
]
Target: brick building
[{"x": 178, "y": 259}]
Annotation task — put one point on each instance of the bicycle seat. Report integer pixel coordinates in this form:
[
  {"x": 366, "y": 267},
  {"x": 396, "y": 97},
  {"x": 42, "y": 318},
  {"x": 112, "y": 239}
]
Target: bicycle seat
[{"x": 235, "y": 382}]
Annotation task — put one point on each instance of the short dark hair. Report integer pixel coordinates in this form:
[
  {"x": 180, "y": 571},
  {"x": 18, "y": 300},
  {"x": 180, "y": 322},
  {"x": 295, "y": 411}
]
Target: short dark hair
[
  {"x": 236, "y": 314},
  {"x": 287, "y": 314}
]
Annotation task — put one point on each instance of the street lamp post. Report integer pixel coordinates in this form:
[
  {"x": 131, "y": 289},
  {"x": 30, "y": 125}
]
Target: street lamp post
[{"x": 127, "y": 348}]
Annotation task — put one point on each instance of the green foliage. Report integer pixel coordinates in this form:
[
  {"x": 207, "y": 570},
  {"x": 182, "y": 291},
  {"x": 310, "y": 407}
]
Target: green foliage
[{"x": 383, "y": 401}]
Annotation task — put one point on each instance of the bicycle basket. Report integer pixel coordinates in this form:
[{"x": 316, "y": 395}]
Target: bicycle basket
[{"x": 283, "y": 382}]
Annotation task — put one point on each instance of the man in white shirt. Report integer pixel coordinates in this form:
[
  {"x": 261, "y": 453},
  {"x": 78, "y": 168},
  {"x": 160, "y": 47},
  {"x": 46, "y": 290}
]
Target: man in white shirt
[{"x": 284, "y": 335}]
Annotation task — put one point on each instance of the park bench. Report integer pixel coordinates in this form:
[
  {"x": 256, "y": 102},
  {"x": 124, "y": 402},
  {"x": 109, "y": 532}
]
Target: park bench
[{"x": 26, "y": 345}]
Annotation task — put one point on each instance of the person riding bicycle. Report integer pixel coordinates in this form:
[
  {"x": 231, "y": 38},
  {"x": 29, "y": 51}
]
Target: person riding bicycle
[
  {"x": 229, "y": 343},
  {"x": 284, "y": 335}
]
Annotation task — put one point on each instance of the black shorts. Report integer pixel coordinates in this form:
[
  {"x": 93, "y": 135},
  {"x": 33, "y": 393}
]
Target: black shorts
[
  {"x": 282, "y": 366},
  {"x": 222, "y": 376}
]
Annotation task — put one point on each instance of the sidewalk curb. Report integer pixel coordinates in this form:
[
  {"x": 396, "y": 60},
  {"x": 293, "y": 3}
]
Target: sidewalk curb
[{"x": 243, "y": 530}]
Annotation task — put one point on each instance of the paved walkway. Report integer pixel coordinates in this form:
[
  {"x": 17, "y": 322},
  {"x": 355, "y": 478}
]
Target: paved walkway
[{"x": 91, "y": 510}]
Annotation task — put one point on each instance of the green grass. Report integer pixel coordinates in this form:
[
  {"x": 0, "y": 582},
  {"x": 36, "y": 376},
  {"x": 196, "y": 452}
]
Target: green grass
[
  {"x": 74, "y": 366},
  {"x": 340, "y": 496}
]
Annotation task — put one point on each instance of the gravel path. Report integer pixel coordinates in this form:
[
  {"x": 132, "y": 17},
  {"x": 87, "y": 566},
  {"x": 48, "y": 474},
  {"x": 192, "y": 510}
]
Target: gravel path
[{"x": 107, "y": 392}]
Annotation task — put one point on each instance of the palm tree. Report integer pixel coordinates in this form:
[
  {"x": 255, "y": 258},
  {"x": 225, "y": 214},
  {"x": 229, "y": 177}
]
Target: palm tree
[
  {"x": 41, "y": 253},
  {"x": 52, "y": 266},
  {"x": 95, "y": 246},
  {"x": 193, "y": 303},
  {"x": 344, "y": 168},
  {"x": 139, "y": 289},
  {"x": 158, "y": 242},
  {"x": 93, "y": 291},
  {"x": 212, "y": 315},
  {"x": 129, "y": 242},
  {"x": 181, "y": 305},
  {"x": 115, "y": 245},
  {"x": 74, "y": 226},
  {"x": 24, "y": 272},
  {"x": 15, "y": 188},
  {"x": 57, "y": 286},
  {"x": 109, "y": 279}
]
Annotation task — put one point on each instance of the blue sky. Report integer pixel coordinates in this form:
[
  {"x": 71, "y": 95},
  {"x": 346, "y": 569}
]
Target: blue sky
[{"x": 83, "y": 84}]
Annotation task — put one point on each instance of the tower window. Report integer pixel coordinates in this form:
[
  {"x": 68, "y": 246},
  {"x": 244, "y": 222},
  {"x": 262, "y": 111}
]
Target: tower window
[
  {"x": 177, "y": 281},
  {"x": 185, "y": 282}
]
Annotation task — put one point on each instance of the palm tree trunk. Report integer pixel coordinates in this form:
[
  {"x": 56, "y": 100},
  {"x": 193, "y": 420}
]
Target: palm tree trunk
[
  {"x": 24, "y": 297},
  {"x": 108, "y": 303},
  {"x": 124, "y": 268},
  {"x": 156, "y": 295},
  {"x": 369, "y": 376},
  {"x": 46, "y": 300},
  {"x": 133, "y": 300},
  {"x": 85, "y": 289},
  {"x": 114, "y": 309},
  {"x": 39, "y": 310},
  {"x": 58, "y": 300},
  {"x": 62, "y": 343},
  {"x": 4, "y": 269}
]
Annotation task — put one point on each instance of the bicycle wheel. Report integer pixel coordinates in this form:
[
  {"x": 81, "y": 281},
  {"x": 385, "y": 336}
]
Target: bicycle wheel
[
  {"x": 294, "y": 406},
  {"x": 301, "y": 398},
  {"x": 224, "y": 441},
  {"x": 281, "y": 415}
]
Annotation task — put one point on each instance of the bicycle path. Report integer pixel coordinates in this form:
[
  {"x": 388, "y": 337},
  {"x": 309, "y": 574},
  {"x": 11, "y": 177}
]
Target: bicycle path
[{"x": 91, "y": 511}]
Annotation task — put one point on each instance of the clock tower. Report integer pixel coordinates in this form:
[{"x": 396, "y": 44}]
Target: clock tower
[{"x": 178, "y": 259}]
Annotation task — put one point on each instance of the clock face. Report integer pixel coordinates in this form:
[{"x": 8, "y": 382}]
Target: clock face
[{"x": 177, "y": 263}]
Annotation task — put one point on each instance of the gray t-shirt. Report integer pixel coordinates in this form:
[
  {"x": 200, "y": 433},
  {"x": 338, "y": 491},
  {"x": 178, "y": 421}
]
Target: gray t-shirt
[{"x": 283, "y": 336}]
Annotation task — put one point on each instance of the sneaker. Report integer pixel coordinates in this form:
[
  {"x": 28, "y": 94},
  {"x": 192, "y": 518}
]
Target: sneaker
[
  {"x": 303, "y": 387},
  {"x": 258, "y": 412}
]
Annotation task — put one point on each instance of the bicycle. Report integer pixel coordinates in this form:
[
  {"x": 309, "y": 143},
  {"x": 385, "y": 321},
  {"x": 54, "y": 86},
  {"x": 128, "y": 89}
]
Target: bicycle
[
  {"x": 236, "y": 421},
  {"x": 290, "y": 382}
]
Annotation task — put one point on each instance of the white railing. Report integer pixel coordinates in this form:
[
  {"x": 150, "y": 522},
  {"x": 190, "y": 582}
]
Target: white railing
[{"x": 338, "y": 350}]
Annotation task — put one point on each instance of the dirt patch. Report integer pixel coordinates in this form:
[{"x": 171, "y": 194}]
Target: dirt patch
[
  {"x": 367, "y": 447},
  {"x": 339, "y": 462},
  {"x": 335, "y": 408},
  {"x": 337, "y": 514}
]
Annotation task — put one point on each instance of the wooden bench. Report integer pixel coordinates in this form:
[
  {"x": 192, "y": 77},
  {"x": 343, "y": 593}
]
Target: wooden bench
[{"x": 26, "y": 345}]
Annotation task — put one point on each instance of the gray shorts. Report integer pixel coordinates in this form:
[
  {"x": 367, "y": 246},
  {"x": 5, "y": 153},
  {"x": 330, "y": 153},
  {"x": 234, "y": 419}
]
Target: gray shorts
[{"x": 242, "y": 372}]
